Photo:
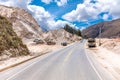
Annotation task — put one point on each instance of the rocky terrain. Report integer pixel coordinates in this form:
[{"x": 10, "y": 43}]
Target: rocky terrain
[
  {"x": 31, "y": 33},
  {"x": 10, "y": 44},
  {"x": 59, "y": 36},
  {"x": 24, "y": 24},
  {"x": 111, "y": 44},
  {"x": 28, "y": 29},
  {"x": 108, "y": 29}
]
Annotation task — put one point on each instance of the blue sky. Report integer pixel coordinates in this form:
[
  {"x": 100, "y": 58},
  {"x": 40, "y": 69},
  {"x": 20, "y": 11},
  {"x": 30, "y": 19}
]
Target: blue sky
[
  {"x": 54, "y": 14},
  {"x": 56, "y": 10},
  {"x": 59, "y": 11}
]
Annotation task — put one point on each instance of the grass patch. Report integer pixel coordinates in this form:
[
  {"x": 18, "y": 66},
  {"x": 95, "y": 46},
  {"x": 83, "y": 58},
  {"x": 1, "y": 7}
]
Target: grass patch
[{"x": 9, "y": 40}]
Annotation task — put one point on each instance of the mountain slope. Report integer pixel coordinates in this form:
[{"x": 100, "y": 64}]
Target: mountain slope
[
  {"x": 108, "y": 29},
  {"x": 10, "y": 44},
  {"x": 23, "y": 23},
  {"x": 61, "y": 35}
]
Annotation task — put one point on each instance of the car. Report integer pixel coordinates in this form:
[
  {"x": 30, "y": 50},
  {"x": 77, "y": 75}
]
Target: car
[
  {"x": 38, "y": 41},
  {"x": 64, "y": 43}
]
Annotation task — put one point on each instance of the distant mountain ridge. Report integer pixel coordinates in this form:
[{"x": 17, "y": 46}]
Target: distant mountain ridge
[{"x": 109, "y": 29}]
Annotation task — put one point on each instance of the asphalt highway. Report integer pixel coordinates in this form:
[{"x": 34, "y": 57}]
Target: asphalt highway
[{"x": 70, "y": 63}]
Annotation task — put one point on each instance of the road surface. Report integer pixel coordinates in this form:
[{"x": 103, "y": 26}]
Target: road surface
[{"x": 70, "y": 63}]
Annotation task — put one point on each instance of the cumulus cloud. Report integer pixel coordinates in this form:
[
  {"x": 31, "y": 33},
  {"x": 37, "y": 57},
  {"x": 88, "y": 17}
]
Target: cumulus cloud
[
  {"x": 83, "y": 12},
  {"x": 105, "y": 17},
  {"x": 58, "y": 2},
  {"x": 82, "y": 28},
  {"x": 91, "y": 10},
  {"x": 61, "y": 2},
  {"x": 43, "y": 17},
  {"x": 47, "y": 1},
  {"x": 111, "y": 6},
  {"x": 16, "y": 3}
]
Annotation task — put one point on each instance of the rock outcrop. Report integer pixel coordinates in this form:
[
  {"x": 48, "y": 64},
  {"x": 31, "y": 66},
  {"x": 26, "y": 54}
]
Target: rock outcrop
[
  {"x": 59, "y": 36},
  {"x": 23, "y": 22}
]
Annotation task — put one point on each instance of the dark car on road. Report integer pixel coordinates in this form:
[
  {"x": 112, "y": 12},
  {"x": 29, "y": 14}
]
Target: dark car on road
[{"x": 64, "y": 43}]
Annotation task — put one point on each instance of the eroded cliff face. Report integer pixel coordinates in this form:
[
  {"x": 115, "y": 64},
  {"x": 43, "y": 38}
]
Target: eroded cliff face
[
  {"x": 23, "y": 23},
  {"x": 10, "y": 44}
]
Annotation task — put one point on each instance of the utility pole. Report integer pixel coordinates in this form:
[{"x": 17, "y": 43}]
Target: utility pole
[{"x": 100, "y": 30}]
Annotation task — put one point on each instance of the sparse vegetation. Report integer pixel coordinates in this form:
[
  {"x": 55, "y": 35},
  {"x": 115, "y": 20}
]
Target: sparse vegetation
[
  {"x": 9, "y": 40},
  {"x": 72, "y": 30}
]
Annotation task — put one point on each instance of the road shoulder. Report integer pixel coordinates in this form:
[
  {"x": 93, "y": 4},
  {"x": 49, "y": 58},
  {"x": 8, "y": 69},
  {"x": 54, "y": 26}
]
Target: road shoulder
[{"x": 103, "y": 58}]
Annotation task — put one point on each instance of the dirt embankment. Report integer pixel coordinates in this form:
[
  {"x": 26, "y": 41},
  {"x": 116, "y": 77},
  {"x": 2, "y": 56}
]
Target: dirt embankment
[
  {"x": 111, "y": 44},
  {"x": 35, "y": 50},
  {"x": 108, "y": 55}
]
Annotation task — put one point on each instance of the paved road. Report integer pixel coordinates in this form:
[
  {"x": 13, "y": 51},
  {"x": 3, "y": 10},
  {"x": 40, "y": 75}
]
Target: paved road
[{"x": 70, "y": 63}]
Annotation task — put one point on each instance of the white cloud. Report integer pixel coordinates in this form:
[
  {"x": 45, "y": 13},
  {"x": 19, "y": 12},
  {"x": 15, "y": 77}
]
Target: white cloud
[
  {"x": 83, "y": 12},
  {"x": 105, "y": 17},
  {"x": 45, "y": 19},
  {"x": 61, "y": 2},
  {"x": 46, "y": 1},
  {"x": 88, "y": 10},
  {"x": 58, "y": 2},
  {"x": 112, "y": 6},
  {"x": 16, "y": 3},
  {"x": 82, "y": 28},
  {"x": 115, "y": 9}
]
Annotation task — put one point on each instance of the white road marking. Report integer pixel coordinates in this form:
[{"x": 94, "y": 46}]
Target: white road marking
[
  {"x": 65, "y": 60},
  {"x": 29, "y": 66},
  {"x": 22, "y": 70},
  {"x": 68, "y": 56},
  {"x": 93, "y": 66}
]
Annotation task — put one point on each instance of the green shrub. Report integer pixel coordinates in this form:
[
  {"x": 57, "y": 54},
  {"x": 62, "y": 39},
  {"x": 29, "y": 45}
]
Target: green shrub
[
  {"x": 9, "y": 39},
  {"x": 72, "y": 30}
]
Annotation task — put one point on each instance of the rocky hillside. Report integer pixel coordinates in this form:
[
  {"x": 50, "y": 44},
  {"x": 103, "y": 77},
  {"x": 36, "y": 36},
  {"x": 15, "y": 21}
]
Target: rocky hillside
[
  {"x": 28, "y": 29},
  {"x": 108, "y": 29},
  {"x": 23, "y": 23},
  {"x": 59, "y": 36},
  {"x": 10, "y": 44}
]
